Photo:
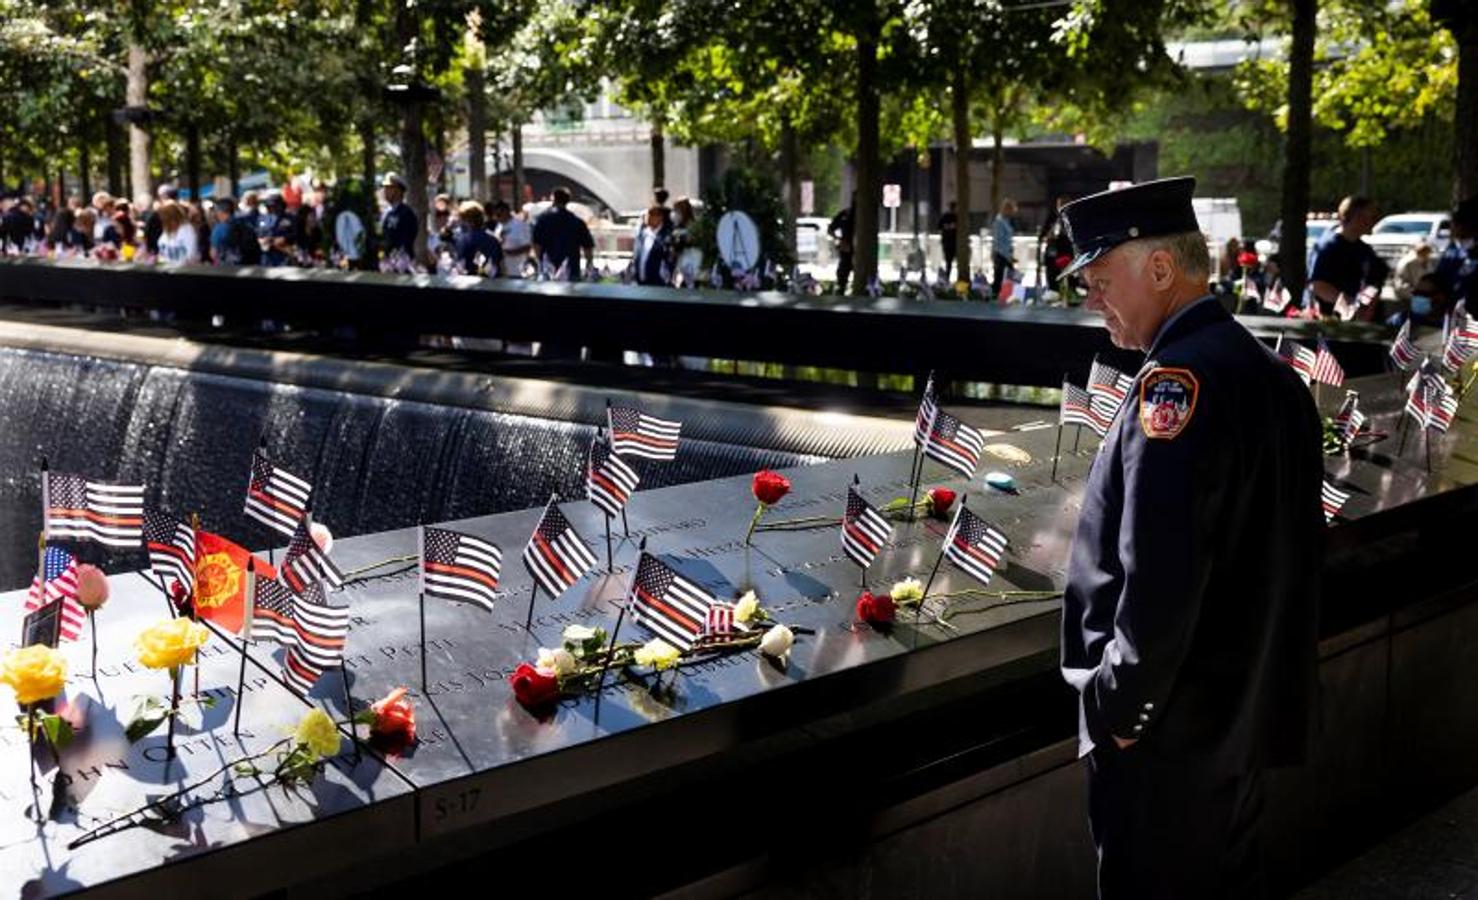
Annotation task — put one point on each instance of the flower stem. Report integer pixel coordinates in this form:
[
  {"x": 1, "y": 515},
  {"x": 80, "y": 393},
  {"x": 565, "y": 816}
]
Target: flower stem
[{"x": 759, "y": 510}]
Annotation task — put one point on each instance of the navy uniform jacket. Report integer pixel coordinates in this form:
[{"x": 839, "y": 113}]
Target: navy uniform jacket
[
  {"x": 1190, "y": 615},
  {"x": 398, "y": 229}
]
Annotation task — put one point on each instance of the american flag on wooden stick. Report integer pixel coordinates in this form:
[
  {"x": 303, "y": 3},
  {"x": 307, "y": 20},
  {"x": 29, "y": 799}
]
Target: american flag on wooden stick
[
  {"x": 669, "y": 604},
  {"x": 635, "y": 433},
  {"x": 609, "y": 480},
  {"x": 460, "y": 567},
  {"x": 305, "y": 562},
  {"x": 84, "y": 510},
  {"x": 1297, "y": 355},
  {"x": 953, "y": 443},
  {"x": 864, "y": 530},
  {"x": 1403, "y": 352},
  {"x": 974, "y": 545},
  {"x": 1077, "y": 409},
  {"x": 1108, "y": 387},
  {"x": 1327, "y": 369},
  {"x": 555, "y": 556},
  {"x": 57, "y": 583},
  {"x": 171, "y": 546},
  {"x": 274, "y": 496},
  {"x": 1333, "y": 500},
  {"x": 1349, "y": 420}
]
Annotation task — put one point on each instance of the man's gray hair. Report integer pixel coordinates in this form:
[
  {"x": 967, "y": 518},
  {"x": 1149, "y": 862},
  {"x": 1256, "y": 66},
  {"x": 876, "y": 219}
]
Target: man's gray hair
[{"x": 1188, "y": 250}]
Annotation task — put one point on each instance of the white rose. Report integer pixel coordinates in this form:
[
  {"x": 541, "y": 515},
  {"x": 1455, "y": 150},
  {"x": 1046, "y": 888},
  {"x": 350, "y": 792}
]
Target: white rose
[
  {"x": 777, "y": 642},
  {"x": 559, "y": 661}
]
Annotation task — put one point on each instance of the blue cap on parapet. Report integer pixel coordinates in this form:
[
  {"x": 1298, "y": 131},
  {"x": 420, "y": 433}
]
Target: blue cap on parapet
[{"x": 1100, "y": 222}]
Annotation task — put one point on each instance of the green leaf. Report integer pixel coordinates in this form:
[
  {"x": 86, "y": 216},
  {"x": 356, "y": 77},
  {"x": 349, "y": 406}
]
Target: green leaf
[
  {"x": 142, "y": 727},
  {"x": 58, "y": 730},
  {"x": 246, "y": 769},
  {"x": 191, "y": 715},
  {"x": 364, "y": 717},
  {"x": 209, "y": 701}
]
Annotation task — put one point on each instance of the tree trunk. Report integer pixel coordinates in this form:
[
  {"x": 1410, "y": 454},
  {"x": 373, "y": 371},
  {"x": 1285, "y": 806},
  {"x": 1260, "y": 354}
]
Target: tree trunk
[
  {"x": 84, "y": 167},
  {"x": 137, "y": 95},
  {"x": 1291, "y": 253},
  {"x": 192, "y": 160},
  {"x": 444, "y": 171},
  {"x": 111, "y": 139},
  {"x": 413, "y": 157},
  {"x": 517, "y": 128},
  {"x": 1465, "y": 119},
  {"x": 233, "y": 165},
  {"x": 659, "y": 153},
  {"x": 997, "y": 164},
  {"x": 960, "y": 102},
  {"x": 865, "y": 223},
  {"x": 477, "y": 132},
  {"x": 366, "y": 210},
  {"x": 790, "y": 169}
]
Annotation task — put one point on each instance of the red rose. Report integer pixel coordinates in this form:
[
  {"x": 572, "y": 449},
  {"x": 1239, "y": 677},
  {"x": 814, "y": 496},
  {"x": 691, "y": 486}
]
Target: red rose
[
  {"x": 1247, "y": 259},
  {"x": 1062, "y": 262},
  {"x": 532, "y": 687},
  {"x": 769, "y": 487},
  {"x": 876, "y": 609},
  {"x": 939, "y": 500},
  {"x": 395, "y": 717}
]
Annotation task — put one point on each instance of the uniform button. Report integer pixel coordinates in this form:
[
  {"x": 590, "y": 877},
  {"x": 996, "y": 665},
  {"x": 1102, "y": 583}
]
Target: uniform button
[
  {"x": 1149, "y": 706},
  {"x": 1139, "y": 728},
  {"x": 1144, "y": 717}
]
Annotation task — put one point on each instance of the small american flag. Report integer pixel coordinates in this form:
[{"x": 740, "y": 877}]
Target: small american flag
[
  {"x": 928, "y": 404},
  {"x": 1430, "y": 401},
  {"x": 609, "y": 481},
  {"x": 638, "y": 434},
  {"x": 1349, "y": 420},
  {"x": 669, "y": 604},
  {"x": 953, "y": 443},
  {"x": 171, "y": 545},
  {"x": 1333, "y": 500},
  {"x": 58, "y": 583},
  {"x": 274, "y": 496},
  {"x": 111, "y": 514},
  {"x": 456, "y": 566},
  {"x": 1461, "y": 343},
  {"x": 1297, "y": 355},
  {"x": 555, "y": 555},
  {"x": 1327, "y": 369},
  {"x": 864, "y": 530},
  {"x": 1277, "y": 298},
  {"x": 974, "y": 545},
  {"x": 721, "y": 620},
  {"x": 313, "y": 632},
  {"x": 1403, "y": 352},
  {"x": 1077, "y": 409},
  {"x": 1108, "y": 387},
  {"x": 305, "y": 562}
]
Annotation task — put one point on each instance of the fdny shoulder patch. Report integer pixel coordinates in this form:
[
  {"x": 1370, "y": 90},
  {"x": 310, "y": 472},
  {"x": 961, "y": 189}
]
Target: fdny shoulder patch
[{"x": 1167, "y": 400}]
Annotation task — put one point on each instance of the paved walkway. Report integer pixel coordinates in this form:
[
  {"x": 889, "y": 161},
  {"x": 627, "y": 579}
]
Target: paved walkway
[{"x": 1434, "y": 857}]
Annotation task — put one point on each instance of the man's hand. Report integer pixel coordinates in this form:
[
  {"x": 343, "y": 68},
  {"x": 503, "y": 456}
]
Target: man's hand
[{"x": 1125, "y": 743}]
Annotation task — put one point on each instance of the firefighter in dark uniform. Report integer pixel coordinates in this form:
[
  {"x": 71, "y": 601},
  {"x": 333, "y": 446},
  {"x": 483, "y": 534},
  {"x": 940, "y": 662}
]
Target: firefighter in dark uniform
[{"x": 1189, "y": 621}]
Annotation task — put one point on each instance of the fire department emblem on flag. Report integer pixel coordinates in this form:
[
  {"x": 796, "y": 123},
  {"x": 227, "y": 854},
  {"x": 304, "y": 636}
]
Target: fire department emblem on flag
[
  {"x": 217, "y": 580},
  {"x": 1167, "y": 399}
]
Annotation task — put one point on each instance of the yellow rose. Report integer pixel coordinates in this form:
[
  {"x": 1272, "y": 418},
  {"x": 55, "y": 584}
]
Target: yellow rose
[
  {"x": 658, "y": 654},
  {"x": 906, "y": 590},
  {"x": 35, "y": 673},
  {"x": 746, "y": 607},
  {"x": 171, "y": 643},
  {"x": 317, "y": 732}
]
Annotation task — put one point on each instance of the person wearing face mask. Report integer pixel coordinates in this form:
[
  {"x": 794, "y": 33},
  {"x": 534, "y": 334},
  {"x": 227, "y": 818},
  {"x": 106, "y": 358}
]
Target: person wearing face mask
[
  {"x": 1427, "y": 305},
  {"x": 1195, "y": 671},
  {"x": 1457, "y": 270}
]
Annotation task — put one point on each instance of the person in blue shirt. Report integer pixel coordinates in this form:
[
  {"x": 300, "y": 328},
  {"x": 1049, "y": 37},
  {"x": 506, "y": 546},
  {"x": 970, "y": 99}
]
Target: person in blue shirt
[
  {"x": 399, "y": 225},
  {"x": 1002, "y": 233},
  {"x": 561, "y": 238},
  {"x": 1457, "y": 269},
  {"x": 222, "y": 209},
  {"x": 475, "y": 248},
  {"x": 279, "y": 231},
  {"x": 1342, "y": 265}
]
